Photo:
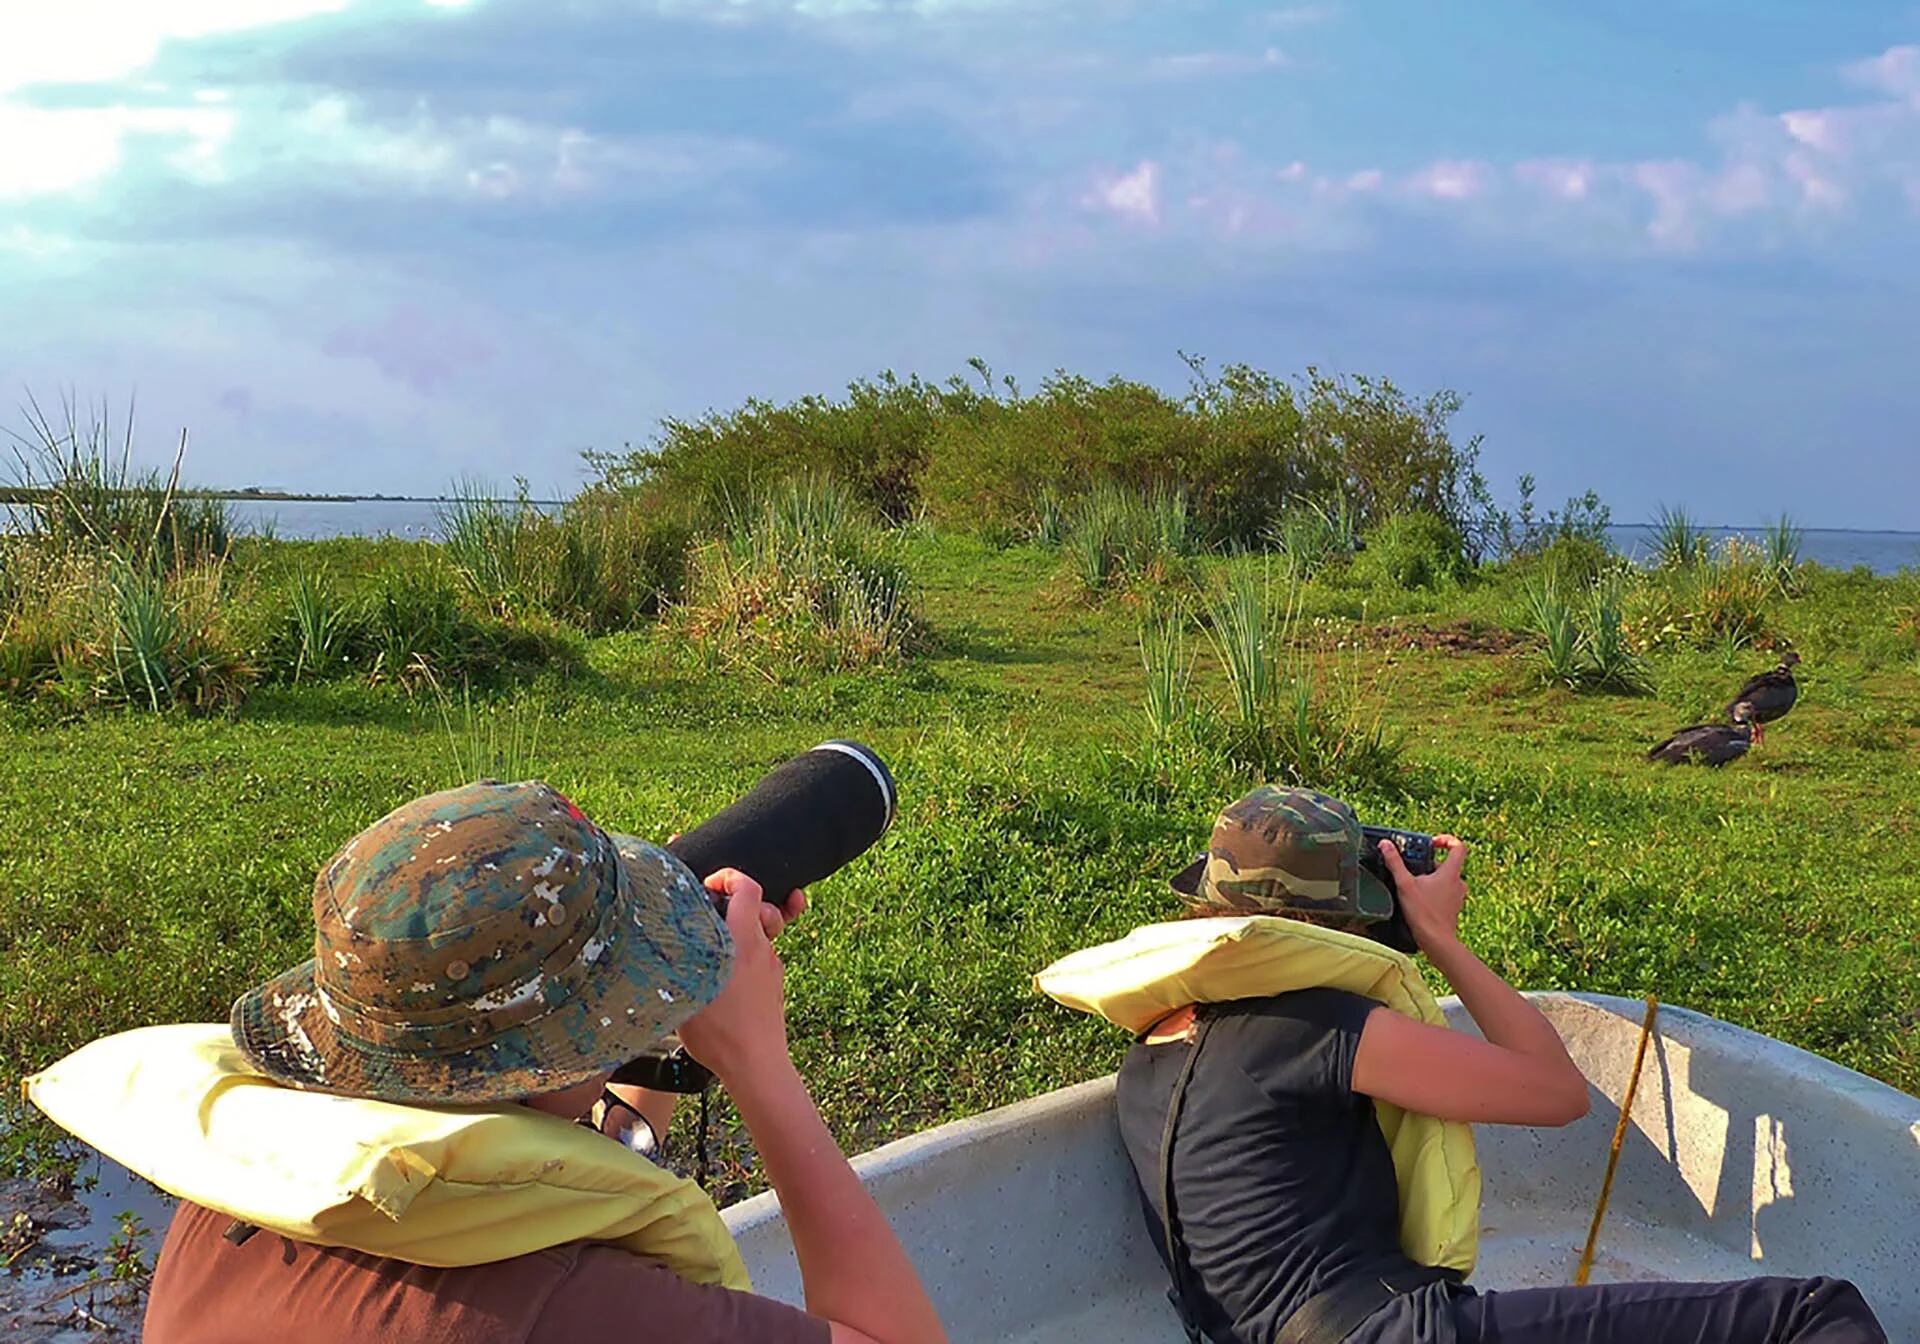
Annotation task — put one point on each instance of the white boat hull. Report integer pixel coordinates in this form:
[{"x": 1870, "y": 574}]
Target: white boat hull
[{"x": 1746, "y": 1156}]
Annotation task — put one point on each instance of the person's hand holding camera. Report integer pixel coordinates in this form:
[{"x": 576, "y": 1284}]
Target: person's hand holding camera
[
  {"x": 1432, "y": 901},
  {"x": 745, "y": 1027}
]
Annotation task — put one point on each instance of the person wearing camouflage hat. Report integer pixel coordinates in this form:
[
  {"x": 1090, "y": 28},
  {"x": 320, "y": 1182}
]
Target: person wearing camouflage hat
[
  {"x": 1269, "y": 1188},
  {"x": 485, "y": 944},
  {"x": 489, "y": 946},
  {"x": 1293, "y": 852}
]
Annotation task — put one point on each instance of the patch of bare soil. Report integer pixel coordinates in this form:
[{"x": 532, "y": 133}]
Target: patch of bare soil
[{"x": 1448, "y": 637}]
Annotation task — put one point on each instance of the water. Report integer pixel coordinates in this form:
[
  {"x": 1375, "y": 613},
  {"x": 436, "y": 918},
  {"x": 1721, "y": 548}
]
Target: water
[
  {"x": 419, "y": 519},
  {"x": 1834, "y": 547},
  {"x": 45, "y": 1296}
]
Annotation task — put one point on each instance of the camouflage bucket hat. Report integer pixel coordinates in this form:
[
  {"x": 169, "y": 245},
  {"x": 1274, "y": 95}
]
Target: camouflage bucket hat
[
  {"x": 484, "y": 944},
  {"x": 1285, "y": 852}
]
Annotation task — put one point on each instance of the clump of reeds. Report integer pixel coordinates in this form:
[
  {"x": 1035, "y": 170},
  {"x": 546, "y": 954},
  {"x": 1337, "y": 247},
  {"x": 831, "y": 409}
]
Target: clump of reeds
[
  {"x": 804, "y": 577},
  {"x": 1284, "y": 718},
  {"x": 1780, "y": 545},
  {"x": 1315, "y": 532},
  {"x": 116, "y": 577},
  {"x": 1679, "y": 542},
  {"x": 1115, "y": 536},
  {"x": 1584, "y": 640},
  {"x": 606, "y": 560}
]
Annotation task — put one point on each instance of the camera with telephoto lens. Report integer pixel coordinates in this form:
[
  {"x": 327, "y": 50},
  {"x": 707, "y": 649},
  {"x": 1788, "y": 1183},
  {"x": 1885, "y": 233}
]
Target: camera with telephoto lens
[
  {"x": 1416, "y": 851},
  {"x": 807, "y": 819}
]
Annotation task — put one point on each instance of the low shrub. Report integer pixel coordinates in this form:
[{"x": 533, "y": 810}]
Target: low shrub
[
  {"x": 1719, "y": 599},
  {"x": 1412, "y": 550},
  {"x": 409, "y": 622},
  {"x": 94, "y": 630},
  {"x": 875, "y": 442},
  {"x": 1526, "y": 534}
]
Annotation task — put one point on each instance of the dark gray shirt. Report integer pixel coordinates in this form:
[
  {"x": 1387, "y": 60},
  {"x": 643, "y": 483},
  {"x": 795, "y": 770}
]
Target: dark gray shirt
[{"x": 1282, "y": 1181}]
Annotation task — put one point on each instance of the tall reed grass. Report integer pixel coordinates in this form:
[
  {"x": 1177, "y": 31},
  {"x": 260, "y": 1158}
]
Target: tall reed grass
[
  {"x": 1284, "y": 717},
  {"x": 805, "y": 577},
  {"x": 605, "y": 561},
  {"x": 1116, "y": 536},
  {"x": 1315, "y": 532},
  {"x": 80, "y": 492}
]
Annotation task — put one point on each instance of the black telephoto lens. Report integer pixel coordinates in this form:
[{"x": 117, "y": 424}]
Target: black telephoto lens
[{"x": 810, "y": 817}]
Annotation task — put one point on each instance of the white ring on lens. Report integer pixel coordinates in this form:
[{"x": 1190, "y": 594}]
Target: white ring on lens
[{"x": 873, "y": 768}]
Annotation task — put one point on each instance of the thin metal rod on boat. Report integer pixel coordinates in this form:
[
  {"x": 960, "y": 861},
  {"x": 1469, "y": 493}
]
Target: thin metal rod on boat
[{"x": 1619, "y": 1137}]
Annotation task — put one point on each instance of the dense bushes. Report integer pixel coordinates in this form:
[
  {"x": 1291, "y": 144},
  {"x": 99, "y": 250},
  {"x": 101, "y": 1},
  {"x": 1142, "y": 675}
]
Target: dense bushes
[
  {"x": 874, "y": 442},
  {"x": 1241, "y": 446}
]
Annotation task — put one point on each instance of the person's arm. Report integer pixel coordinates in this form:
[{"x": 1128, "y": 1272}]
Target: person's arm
[
  {"x": 1519, "y": 1075},
  {"x": 854, "y": 1270},
  {"x": 656, "y": 1108}
]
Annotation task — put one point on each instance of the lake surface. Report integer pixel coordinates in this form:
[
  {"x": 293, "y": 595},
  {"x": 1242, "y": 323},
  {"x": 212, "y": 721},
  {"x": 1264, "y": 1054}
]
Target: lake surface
[
  {"x": 1834, "y": 547},
  {"x": 310, "y": 520}
]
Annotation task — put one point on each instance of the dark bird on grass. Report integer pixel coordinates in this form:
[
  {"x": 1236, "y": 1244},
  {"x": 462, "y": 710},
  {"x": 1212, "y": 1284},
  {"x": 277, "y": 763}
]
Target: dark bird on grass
[
  {"x": 1767, "y": 697},
  {"x": 1708, "y": 743}
]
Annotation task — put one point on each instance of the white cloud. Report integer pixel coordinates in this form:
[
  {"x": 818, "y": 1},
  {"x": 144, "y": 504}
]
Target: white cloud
[
  {"x": 45, "y": 151},
  {"x": 1763, "y": 175},
  {"x": 1450, "y": 180},
  {"x": 1567, "y": 179},
  {"x": 1134, "y": 195},
  {"x": 93, "y": 41},
  {"x": 1895, "y": 70},
  {"x": 1298, "y": 16},
  {"x": 1213, "y": 64}
]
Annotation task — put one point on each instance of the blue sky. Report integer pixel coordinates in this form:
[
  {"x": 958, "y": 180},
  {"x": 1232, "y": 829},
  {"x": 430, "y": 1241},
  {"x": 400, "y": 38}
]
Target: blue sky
[{"x": 1671, "y": 252}]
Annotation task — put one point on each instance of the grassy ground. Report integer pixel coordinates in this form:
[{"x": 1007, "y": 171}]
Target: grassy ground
[{"x": 154, "y": 866}]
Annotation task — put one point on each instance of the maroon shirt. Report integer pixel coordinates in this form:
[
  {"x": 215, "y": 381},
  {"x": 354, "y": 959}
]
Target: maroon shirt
[{"x": 272, "y": 1290}]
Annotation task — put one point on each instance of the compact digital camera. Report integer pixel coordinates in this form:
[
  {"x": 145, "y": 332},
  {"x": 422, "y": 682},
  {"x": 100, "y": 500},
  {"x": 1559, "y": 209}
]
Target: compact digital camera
[{"x": 1416, "y": 851}]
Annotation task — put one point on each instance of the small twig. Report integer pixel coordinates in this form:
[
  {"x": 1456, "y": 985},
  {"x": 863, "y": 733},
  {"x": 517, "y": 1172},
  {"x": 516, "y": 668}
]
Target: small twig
[{"x": 1619, "y": 1137}]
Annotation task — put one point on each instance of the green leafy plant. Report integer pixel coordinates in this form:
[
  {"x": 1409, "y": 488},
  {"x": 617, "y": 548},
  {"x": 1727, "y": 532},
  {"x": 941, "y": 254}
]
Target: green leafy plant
[
  {"x": 1169, "y": 672},
  {"x": 1550, "y": 617},
  {"x": 1780, "y": 545},
  {"x": 1413, "y": 550},
  {"x": 321, "y": 625},
  {"x": 1679, "y": 542}
]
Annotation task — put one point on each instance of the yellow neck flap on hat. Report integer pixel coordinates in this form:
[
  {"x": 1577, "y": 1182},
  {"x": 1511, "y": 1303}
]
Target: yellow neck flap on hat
[
  {"x": 181, "y": 1106},
  {"x": 1157, "y": 968}
]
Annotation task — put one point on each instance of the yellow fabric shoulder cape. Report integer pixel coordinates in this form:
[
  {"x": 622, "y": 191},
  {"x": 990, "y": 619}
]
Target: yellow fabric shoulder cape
[
  {"x": 181, "y": 1106},
  {"x": 1159, "y": 967}
]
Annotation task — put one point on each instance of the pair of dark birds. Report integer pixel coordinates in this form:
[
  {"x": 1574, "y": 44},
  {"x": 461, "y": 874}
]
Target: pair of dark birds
[{"x": 1762, "y": 700}]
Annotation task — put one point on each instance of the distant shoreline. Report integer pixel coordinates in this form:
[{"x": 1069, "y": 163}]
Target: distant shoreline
[{"x": 14, "y": 495}]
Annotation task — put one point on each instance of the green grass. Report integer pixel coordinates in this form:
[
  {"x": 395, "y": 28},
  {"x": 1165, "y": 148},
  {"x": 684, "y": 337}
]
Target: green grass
[{"x": 156, "y": 865}]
